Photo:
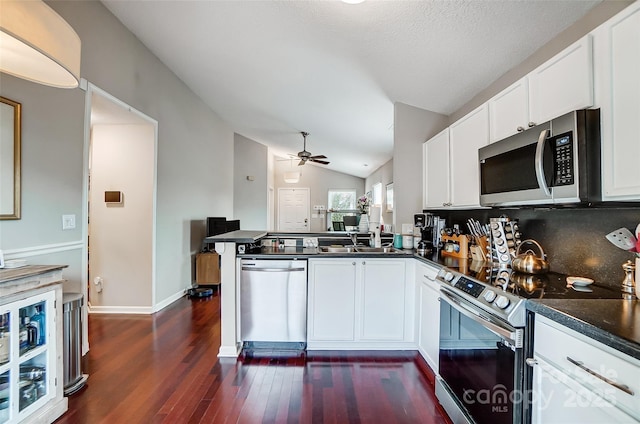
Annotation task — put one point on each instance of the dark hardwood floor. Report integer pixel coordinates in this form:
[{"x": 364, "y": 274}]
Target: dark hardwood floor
[{"x": 164, "y": 369}]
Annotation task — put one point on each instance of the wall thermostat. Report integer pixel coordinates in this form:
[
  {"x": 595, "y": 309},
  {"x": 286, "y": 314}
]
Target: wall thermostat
[{"x": 113, "y": 197}]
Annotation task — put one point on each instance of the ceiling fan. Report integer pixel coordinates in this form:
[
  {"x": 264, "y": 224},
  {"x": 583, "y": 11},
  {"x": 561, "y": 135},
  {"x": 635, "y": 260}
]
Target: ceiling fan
[{"x": 306, "y": 156}]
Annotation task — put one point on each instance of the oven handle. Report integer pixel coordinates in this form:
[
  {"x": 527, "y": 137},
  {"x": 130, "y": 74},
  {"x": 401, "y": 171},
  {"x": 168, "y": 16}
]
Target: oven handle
[{"x": 513, "y": 337}]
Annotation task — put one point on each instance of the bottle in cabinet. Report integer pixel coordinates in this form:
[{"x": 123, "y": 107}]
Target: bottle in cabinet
[
  {"x": 38, "y": 321},
  {"x": 5, "y": 336}
]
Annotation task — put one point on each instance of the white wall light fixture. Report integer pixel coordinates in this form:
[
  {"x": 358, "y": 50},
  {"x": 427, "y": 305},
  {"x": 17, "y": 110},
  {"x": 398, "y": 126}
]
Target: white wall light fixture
[
  {"x": 38, "y": 45},
  {"x": 291, "y": 177}
]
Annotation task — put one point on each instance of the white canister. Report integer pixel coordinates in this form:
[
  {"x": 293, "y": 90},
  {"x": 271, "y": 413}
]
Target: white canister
[{"x": 407, "y": 241}]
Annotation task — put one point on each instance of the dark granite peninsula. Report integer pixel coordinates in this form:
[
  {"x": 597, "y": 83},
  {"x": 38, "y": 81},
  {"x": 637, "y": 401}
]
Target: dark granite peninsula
[{"x": 614, "y": 322}]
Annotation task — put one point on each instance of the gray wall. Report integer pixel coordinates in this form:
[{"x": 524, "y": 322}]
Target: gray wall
[
  {"x": 383, "y": 175},
  {"x": 412, "y": 127},
  {"x": 195, "y": 149},
  {"x": 250, "y": 197},
  {"x": 590, "y": 21},
  {"x": 319, "y": 181}
]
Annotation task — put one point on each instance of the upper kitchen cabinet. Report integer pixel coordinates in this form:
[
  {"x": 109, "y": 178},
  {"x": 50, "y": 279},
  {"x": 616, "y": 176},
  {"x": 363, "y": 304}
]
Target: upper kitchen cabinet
[
  {"x": 617, "y": 83},
  {"x": 509, "y": 111},
  {"x": 466, "y": 136},
  {"x": 560, "y": 85},
  {"x": 451, "y": 173},
  {"x": 435, "y": 167}
]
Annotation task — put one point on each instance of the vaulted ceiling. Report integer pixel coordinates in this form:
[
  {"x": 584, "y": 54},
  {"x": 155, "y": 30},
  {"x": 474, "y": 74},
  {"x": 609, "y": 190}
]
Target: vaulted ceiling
[{"x": 274, "y": 68}]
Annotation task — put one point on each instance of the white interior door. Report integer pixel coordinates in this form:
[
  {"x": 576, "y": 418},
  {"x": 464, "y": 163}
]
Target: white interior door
[{"x": 293, "y": 209}]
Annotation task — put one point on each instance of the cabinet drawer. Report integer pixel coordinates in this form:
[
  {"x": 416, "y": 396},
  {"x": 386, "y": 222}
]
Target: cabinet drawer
[{"x": 575, "y": 355}]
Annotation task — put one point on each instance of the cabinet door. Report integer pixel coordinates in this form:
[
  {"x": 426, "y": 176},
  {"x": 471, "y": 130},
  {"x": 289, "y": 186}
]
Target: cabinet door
[
  {"x": 509, "y": 111},
  {"x": 383, "y": 299},
  {"x": 331, "y": 301},
  {"x": 620, "y": 108},
  {"x": 429, "y": 338},
  {"x": 465, "y": 138},
  {"x": 558, "y": 398},
  {"x": 436, "y": 171},
  {"x": 562, "y": 84}
]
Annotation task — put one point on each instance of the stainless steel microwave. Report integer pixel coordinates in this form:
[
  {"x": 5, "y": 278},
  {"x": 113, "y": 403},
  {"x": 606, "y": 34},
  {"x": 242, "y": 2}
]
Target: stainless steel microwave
[{"x": 554, "y": 163}]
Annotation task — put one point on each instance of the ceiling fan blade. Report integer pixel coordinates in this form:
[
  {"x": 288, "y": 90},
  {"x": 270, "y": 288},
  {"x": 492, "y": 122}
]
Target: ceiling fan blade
[
  {"x": 301, "y": 162},
  {"x": 323, "y": 162},
  {"x": 318, "y": 157}
]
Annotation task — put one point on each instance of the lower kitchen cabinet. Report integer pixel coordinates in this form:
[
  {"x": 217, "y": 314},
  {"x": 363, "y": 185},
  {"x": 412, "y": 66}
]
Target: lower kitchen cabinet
[
  {"x": 429, "y": 314},
  {"x": 331, "y": 300},
  {"x": 359, "y": 303},
  {"x": 584, "y": 381}
]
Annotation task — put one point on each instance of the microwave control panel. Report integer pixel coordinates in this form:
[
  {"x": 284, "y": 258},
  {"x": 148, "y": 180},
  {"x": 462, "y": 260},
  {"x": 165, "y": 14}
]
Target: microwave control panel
[{"x": 563, "y": 160}]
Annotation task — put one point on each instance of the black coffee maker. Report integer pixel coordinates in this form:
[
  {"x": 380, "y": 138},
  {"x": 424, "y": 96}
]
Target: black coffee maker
[{"x": 424, "y": 228}]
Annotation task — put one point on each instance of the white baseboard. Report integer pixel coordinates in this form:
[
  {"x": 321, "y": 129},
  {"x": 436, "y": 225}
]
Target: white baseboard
[
  {"x": 168, "y": 301},
  {"x": 135, "y": 310},
  {"x": 229, "y": 352},
  {"x": 138, "y": 310}
]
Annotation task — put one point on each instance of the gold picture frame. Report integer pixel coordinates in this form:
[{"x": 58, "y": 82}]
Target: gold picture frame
[{"x": 10, "y": 159}]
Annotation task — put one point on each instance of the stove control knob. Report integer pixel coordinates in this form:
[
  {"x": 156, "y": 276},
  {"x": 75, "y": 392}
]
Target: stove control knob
[
  {"x": 489, "y": 296},
  {"x": 502, "y": 302},
  {"x": 448, "y": 276}
]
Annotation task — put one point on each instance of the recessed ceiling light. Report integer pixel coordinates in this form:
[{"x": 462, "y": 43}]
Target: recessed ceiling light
[
  {"x": 352, "y": 1},
  {"x": 366, "y": 164}
]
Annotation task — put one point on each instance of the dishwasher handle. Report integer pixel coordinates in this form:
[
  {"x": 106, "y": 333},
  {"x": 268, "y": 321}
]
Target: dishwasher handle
[{"x": 247, "y": 268}]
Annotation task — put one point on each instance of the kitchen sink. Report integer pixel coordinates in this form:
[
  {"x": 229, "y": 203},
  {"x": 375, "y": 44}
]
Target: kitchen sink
[{"x": 358, "y": 249}]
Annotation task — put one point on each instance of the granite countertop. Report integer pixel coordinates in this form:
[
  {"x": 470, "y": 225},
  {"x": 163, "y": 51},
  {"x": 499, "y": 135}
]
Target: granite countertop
[
  {"x": 240, "y": 236},
  {"x": 288, "y": 252},
  {"x": 614, "y": 322}
]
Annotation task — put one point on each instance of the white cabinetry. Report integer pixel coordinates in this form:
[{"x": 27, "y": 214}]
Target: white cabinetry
[
  {"x": 435, "y": 164},
  {"x": 360, "y": 303},
  {"x": 451, "y": 168},
  {"x": 509, "y": 111},
  {"x": 429, "y": 314},
  {"x": 332, "y": 300},
  {"x": 563, "y": 83},
  {"x": 584, "y": 382},
  {"x": 560, "y": 85},
  {"x": 31, "y": 345},
  {"x": 617, "y": 66}
]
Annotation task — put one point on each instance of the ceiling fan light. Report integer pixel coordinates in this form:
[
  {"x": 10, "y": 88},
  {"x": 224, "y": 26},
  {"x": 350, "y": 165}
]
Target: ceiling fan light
[
  {"x": 291, "y": 177},
  {"x": 352, "y": 1},
  {"x": 38, "y": 45}
]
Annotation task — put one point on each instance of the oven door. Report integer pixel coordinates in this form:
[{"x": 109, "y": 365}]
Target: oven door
[{"x": 481, "y": 364}]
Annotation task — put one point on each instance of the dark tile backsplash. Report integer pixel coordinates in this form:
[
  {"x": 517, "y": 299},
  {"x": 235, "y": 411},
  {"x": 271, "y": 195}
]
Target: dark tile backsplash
[{"x": 573, "y": 238}]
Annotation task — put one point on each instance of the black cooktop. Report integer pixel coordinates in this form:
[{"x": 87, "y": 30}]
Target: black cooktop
[{"x": 551, "y": 285}]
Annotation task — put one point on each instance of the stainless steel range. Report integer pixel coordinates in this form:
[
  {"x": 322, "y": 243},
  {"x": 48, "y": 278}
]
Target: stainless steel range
[
  {"x": 483, "y": 338},
  {"x": 481, "y": 356}
]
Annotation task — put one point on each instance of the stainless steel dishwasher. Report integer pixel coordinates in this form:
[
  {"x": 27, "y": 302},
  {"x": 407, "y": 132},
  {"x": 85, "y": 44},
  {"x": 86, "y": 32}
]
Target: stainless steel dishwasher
[{"x": 273, "y": 303}]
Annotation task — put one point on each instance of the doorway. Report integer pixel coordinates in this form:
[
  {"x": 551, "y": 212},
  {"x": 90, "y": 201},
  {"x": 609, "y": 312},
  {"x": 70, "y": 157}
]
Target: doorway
[
  {"x": 120, "y": 177},
  {"x": 293, "y": 209}
]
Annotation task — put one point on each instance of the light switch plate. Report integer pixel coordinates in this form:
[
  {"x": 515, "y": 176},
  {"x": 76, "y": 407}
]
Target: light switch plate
[{"x": 68, "y": 222}]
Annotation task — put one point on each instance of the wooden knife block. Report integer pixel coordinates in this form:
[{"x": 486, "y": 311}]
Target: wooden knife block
[
  {"x": 461, "y": 240},
  {"x": 207, "y": 268}
]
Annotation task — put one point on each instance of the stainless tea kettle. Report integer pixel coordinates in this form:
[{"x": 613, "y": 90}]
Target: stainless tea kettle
[{"x": 528, "y": 262}]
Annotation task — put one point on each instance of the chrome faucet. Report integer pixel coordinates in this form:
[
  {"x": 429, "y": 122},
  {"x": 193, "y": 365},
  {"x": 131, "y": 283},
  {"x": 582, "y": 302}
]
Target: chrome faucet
[{"x": 354, "y": 239}]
